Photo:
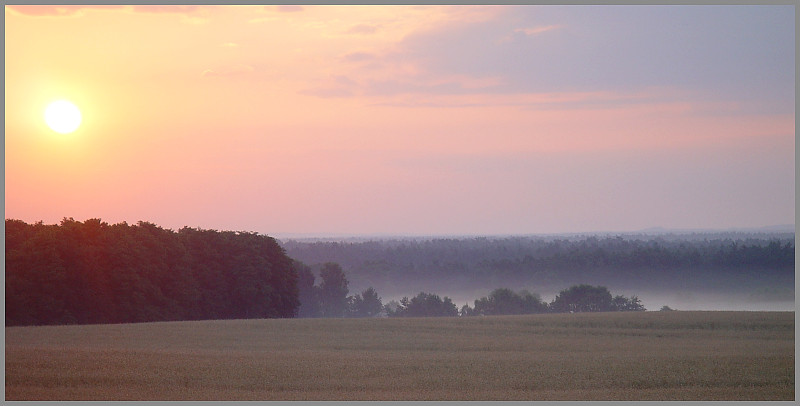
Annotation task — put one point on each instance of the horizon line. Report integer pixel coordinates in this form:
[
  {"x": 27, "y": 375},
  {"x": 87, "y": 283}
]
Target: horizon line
[{"x": 778, "y": 228}]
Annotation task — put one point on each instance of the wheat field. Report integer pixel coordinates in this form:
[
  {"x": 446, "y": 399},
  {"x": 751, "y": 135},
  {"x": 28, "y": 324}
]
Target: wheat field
[{"x": 601, "y": 356}]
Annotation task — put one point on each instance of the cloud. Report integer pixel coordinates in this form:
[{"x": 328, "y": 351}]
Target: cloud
[
  {"x": 428, "y": 85},
  {"x": 414, "y": 85},
  {"x": 189, "y": 13},
  {"x": 328, "y": 92},
  {"x": 56, "y": 11},
  {"x": 590, "y": 52},
  {"x": 289, "y": 9},
  {"x": 537, "y": 30},
  {"x": 461, "y": 92},
  {"x": 344, "y": 80},
  {"x": 166, "y": 9},
  {"x": 742, "y": 52},
  {"x": 275, "y": 9},
  {"x": 362, "y": 29}
]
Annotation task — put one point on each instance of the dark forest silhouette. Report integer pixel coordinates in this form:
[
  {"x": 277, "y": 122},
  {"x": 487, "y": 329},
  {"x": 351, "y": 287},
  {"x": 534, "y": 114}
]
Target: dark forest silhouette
[{"x": 93, "y": 272}]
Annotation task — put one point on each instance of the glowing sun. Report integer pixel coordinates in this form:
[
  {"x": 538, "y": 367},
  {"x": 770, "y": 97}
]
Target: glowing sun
[{"x": 62, "y": 116}]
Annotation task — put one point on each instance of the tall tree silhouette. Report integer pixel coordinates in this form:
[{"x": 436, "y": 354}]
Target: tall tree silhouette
[{"x": 333, "y": 290}]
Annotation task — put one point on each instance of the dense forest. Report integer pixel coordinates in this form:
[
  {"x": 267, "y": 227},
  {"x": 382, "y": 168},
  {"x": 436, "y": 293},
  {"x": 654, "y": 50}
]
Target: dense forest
[
  {"x": 719, "y": 261},
  {"x": 93, "y": 272}
]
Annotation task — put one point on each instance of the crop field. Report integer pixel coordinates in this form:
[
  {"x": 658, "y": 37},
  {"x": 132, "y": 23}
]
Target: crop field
[{"x": 600, "y": 356}]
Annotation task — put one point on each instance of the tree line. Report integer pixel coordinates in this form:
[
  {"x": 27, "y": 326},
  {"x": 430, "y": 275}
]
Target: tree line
[
  {"x": 707, "y": 261},
  {"x": 330, "y": 299},
  {"x": 92, "y": 272},
  {"x": 504, "y": 301},
  {"x": 622, "y": 252}
]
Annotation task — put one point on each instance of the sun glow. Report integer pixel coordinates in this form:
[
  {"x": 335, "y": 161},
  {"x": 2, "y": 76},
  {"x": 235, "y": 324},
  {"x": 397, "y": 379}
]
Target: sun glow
[{"x": 62, "y": 116}]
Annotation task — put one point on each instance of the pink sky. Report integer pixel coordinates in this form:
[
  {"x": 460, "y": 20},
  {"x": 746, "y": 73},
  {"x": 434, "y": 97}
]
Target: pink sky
[{"x": 404, "y": 119}]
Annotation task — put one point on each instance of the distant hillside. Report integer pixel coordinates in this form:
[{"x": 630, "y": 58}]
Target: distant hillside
[
  {"x": 775, "y": 229},
  {"x": 721, "y": 261}
]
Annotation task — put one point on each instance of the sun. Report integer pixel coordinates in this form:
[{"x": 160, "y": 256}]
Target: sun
[{"x": 62, "y": 116}]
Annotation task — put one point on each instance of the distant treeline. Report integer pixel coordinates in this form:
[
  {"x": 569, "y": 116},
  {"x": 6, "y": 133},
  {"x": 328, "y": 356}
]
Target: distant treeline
[
  {"x": 522, "y": 252},
  {"x": 480, "y": 262},
  {"x": 330, "y": 299},
  {"x": 504, "y": 301},
  {"x": 93, "y": 272}
]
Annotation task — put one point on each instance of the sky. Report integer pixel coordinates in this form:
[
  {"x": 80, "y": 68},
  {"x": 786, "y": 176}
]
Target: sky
[{"x": 404, "y": 120}]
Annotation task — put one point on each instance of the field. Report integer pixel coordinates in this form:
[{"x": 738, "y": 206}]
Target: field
[{"x": 608, "y": 356}]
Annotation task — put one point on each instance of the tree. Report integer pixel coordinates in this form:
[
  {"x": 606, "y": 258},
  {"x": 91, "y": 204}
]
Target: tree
[
  {"x": 425, "y": 305},
  {"x": 365, "y": 304},
  {"x": 583, "y": 298},
  {"x": 666, "y": 308},
  {"x": 532, "y": 303},
  {"x": 333, "y": 290},
  {"x": 619, "y": 302},
  {"x": 624, "y": 304},
  {"x": 506, "y": 301},
  {"x": 466, "y": 311},
  {"x": 391, "y": 307},
  {"x": 308, "y": 294}
]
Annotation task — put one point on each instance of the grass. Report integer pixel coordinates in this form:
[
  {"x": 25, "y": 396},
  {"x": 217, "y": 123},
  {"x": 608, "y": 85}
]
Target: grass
[{"x": 608, "y": 356}]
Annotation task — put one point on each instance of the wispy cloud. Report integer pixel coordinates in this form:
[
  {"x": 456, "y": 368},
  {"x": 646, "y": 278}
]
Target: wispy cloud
[
  {"x": 56, "y": 11},
  {"x": 328, "y": 92},
  {"x": 190, "y": 14},
  {"x": 289, "y": 9},
  {"x": 166, "y": 9},
  {"x": 537, "y": 30},
  {"x": 384, "y": 85},
  {"x": 362, "y": 29},
  {"x": 425, "y": 86},
  {"x": 461, "y": 96},
  {"x": 267, "y": 14}
]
